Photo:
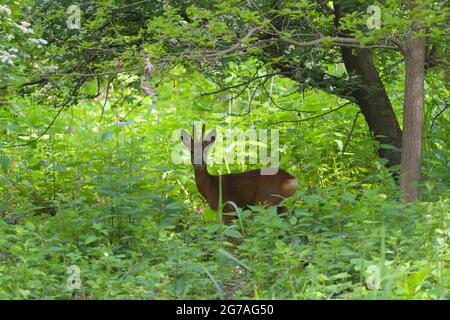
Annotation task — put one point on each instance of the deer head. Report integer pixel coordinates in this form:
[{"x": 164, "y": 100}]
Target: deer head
[{"x": 198, "y": 147}]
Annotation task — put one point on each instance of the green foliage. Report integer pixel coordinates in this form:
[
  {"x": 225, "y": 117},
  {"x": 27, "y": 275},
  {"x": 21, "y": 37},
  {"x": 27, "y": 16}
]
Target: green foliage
[
  {"x": 102, "y": 193},
  {"x": 98, "y": 188}
]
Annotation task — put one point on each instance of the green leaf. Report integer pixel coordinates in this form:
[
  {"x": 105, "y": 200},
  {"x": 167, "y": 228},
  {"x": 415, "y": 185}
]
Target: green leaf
[
  {"x": 389, "y": 147},
  {"x": 90, "y": 239},
  {"x": 106, "y": 135},
  {"x": 349, "y": 197},
  {"x": 293, "y": 220},
  {"x": 215, "y": 283},
  {"x": 4, "y": 163},
  {"x": 232, "y": 233},
  {"x": 340, "y": 145},
  {"x": 232, "y": 258}
]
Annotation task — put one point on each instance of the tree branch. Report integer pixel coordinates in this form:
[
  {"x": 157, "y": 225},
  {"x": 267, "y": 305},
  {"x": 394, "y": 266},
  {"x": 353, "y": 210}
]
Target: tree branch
[
  {"x": 339, "y": 41},
  {"x": 63, "y": 106},
  {"x": 313, "y": 117},
  {"x": 246, "y": 83},
  {"x": 351, "y": 132},
  {"x": 106, "y": 97}
]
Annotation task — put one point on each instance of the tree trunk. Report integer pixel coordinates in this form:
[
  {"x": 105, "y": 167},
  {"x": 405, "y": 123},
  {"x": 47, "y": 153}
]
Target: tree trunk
[
  {"x": 410, "y": 168},
  {"x": 370, "y": 95},
  {"x": 374, "y": 103}
]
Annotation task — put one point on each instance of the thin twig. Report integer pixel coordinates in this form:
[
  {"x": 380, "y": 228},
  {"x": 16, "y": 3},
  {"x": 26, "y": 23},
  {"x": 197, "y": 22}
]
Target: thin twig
[
  {"x": 438, "y": 114},
  {"x": 339, "y": 41},
  {"x": 63, "y": 106},
  {"x": 240, "y": 84},
  {"x": 351, "y": 132},
  {"x": 132, "y": 109},
  {"x": 106, "y": 97},
  {"x": 255, "y": 75},
  {"x": 313, "y": 26},
  {"x": 314, "y": 117},
  {"x": 281, "y": 108},
  {"x": 249, "y": 109}
]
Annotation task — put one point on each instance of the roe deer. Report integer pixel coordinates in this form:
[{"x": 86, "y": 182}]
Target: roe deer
[{"x": 245, "y": 188}]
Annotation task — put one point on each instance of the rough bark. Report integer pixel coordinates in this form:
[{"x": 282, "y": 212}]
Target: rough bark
[
  {"x": 410, "y": 168},
  {"x": 374, "y": 102},
  {"x": 369, "y": 94}
]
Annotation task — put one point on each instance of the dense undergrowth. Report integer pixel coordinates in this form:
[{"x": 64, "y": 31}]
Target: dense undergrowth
[{"x": 101, "y": 193}]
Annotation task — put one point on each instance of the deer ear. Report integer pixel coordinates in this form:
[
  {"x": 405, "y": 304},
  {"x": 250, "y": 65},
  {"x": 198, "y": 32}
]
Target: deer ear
[
  {"x": 211, "y": 137},
  {"x": 186, "y": 138}
]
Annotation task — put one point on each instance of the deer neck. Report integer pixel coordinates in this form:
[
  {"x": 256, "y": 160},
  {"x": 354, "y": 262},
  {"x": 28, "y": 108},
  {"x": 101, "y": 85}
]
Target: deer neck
[{"x": 204, "y": 181}]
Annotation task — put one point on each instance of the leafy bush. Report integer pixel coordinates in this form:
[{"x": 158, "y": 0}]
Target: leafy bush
[{"x": 100, "y": 192}]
